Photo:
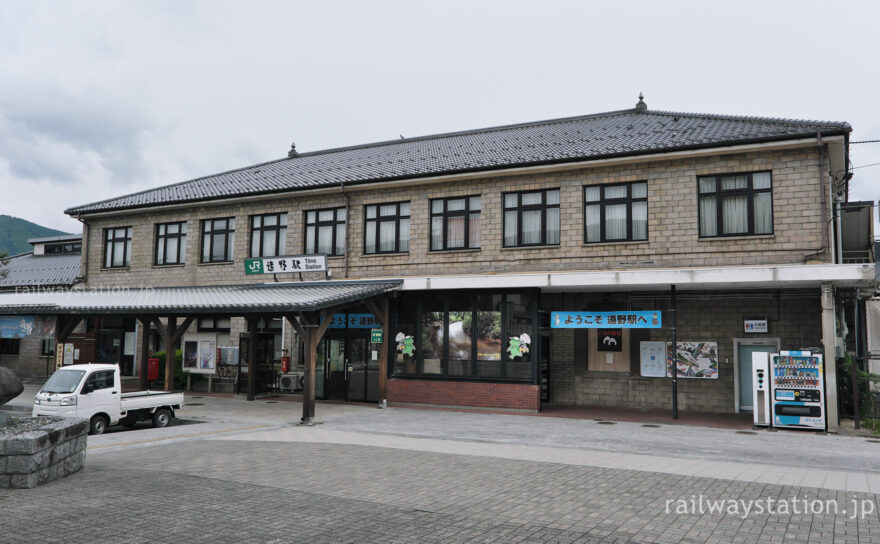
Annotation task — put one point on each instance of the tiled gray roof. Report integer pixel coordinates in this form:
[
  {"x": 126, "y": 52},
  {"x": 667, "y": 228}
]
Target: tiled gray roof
[
  {"x": 40, "y": 270},
  {"x": 620, "y": 133},
  {"x": 228, "y": 299},
  {"x": 50, "y": 239}
]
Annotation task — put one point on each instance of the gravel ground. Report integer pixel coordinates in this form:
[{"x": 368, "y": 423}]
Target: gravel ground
[{"x": 26, "y": 424}]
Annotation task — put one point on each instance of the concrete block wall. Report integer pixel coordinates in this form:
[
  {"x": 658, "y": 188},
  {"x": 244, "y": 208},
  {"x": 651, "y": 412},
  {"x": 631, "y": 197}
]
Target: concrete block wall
[
  {"x": 794, "y": 317},
  {"x": 672, "y": 225},
  {"x": 48, "y": 453}
]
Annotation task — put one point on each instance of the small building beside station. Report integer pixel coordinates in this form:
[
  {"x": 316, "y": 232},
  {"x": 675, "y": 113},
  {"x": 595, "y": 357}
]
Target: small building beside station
[
  {"x": 27, "y": 342},
  {"x": 576, "y": 261}
]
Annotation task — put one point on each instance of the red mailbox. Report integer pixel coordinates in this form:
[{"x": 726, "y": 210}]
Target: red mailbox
[{"x": 152, "y": 368}]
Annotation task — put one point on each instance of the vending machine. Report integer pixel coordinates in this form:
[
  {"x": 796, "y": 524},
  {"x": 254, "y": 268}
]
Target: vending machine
[{"x": 797, "y": 390}]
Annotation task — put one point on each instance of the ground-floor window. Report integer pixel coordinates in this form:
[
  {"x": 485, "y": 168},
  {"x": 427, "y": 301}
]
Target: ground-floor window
[
  {"x": 9, "y": 346},
  {"x": 484, "y": 335}
]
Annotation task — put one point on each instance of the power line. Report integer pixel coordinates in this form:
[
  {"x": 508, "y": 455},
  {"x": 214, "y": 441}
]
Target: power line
[
  {"x": 865, "y": 165},
  {"x": 866, "y": 142}
]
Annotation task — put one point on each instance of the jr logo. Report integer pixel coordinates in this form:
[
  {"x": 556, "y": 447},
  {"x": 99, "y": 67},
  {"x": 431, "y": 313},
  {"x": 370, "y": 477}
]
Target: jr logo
[{"x": 254, "y": 266}]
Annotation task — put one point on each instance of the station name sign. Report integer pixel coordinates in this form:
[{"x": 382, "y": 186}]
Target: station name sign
[
  {"x": 281, "y": 265},
  {"x": 595, "y": 320}
]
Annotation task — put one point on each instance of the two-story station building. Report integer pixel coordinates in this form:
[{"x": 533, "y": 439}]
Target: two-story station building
[{"x": 640, "y": 227}]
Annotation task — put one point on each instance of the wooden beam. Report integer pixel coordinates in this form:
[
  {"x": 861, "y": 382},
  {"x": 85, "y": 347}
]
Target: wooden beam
[
  {"x": 163, "y": 331},
  {"x": 325, "y": 319},
  {"x": 294, "y": 322},
  {"x": 252, "y": 358},
  {"x": 64, "y": 326},
  {"x": 145, "y": 349},
  {"x": 383, "y": 354},
  {"x": 182, "y": 329},
  {"x": 170, "y": 361},
  {"x": 377, "y": 311}
]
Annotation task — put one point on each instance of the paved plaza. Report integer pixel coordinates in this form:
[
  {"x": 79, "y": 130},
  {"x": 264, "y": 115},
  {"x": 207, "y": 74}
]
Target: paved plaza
[{"x": 404, "y": 475}]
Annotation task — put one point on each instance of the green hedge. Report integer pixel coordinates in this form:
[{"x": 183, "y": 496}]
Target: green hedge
[{"x": 179, "y": 375}]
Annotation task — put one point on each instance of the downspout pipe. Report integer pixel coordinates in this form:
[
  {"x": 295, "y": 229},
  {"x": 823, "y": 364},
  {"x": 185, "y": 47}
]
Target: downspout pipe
[
  {"x": 826, "y": 194},
  {"x": 347, "y": 227},
  {"x": 85, "y": 247}
]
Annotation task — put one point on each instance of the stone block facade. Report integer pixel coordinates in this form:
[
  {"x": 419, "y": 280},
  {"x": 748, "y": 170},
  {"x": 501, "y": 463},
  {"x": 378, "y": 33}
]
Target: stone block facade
[
  {"x": 794, "y": 318},
  {"x": 29, "y": 363},
  {"x": 673, "y": 233}
]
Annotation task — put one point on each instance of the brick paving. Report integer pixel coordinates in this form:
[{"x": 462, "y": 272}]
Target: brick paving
[{"x": 246, "y": 491}]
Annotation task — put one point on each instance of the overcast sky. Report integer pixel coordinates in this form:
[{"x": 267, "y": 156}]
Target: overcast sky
[{"x": 99, "y": 99}]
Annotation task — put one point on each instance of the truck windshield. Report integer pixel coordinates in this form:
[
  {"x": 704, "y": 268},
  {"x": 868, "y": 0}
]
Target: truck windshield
[{"x": 63, "y": 381}]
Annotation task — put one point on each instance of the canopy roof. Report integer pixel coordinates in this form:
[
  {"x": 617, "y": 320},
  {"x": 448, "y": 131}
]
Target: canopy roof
[{"x": 203, "y": 300}]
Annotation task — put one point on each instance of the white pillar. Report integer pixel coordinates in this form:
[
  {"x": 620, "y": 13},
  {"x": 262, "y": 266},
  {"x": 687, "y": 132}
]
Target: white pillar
[{"x": 829, "y": 340}]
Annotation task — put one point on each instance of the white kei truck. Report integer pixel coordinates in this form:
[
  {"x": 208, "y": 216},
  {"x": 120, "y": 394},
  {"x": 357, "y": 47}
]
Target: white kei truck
[{"x": 94, "y": 392}]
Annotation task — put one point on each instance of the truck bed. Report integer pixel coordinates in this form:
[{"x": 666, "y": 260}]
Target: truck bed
[{"x": 139, "y": 400}]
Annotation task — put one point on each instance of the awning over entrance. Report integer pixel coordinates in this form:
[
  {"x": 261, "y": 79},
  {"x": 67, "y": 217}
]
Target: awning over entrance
[
  {"x": 239, "y": 300},
  {"x": 308, "y": 306}
]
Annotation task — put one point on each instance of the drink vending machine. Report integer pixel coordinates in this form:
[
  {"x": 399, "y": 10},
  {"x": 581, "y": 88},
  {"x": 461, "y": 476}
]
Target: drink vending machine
[{"x": 797, "y": 390}]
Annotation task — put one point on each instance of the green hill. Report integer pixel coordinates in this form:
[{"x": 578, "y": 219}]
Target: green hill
[{"x": 15, "y": 232}]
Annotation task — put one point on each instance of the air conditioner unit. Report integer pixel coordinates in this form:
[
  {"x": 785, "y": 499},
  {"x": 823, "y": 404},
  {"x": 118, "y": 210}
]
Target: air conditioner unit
[{"x": 292, "y": 381}]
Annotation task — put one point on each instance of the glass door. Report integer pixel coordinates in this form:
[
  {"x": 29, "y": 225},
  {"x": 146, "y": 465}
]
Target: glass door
[
  {"x": 334, "y": 368},
  {"x": 363, "y": 371}
]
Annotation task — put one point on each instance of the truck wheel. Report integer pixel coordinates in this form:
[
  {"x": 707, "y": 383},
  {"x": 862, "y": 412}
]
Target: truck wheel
[
  {"x": 161, "y": 418},
  {"x": 98, "y": 425}
]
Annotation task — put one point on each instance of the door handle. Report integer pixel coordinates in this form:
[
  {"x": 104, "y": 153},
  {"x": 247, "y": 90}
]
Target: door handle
[{"x": 112, "y": 392}]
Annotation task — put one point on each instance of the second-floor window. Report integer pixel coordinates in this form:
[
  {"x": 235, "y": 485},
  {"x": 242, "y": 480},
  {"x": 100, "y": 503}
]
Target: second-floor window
[
  {"x": 268, "y": 235},
  {"x": 325, "y": 231},
  {"x": 218, "y": 239},
  {"x": 386, "y": 228},
  {"x": 531, "y": 218},
  {"x": 171, "y": 243},
  {"x": 614, "y": 213},
  {"x": 736, "y": 205},
  {"x": 117, "y": 247},
  {"x": 455, "y": 223}
]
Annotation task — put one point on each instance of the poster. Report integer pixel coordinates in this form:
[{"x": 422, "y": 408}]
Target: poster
[
  {"x": 68, "y": 354},
  {"x": 207, "y": 356},
  {"x": 190, "y": 354},
  {"x": 128, "y": 346},
  {"x": 609, "y": 339},
  {"x": 695, "y": 360},
  {"x": 653, "y": 359}
]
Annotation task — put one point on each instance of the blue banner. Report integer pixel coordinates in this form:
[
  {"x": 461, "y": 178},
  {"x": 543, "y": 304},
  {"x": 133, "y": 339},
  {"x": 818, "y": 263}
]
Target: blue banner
[
  {"x": 16, "y": 326},
  {"x": 354, "y": 321},
  {"x": 594, "y": 320}
]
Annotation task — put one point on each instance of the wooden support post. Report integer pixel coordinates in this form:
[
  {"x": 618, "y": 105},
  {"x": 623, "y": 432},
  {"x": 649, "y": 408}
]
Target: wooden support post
[
  {"x": 145, "y": 350},
  {"x": 311, "y": 356},
  {"x": 383, "y": 354},
  {"x": 252, "y": 358},
  {"x": 170, "y": 333}
]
